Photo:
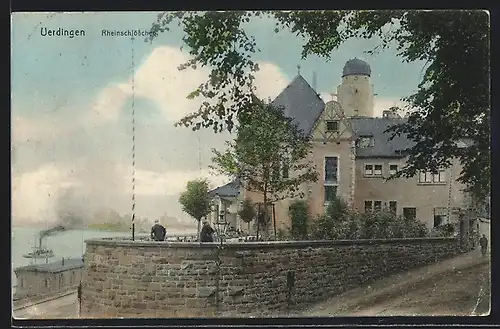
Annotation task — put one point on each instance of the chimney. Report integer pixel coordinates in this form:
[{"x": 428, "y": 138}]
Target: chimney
[{"x": 314, "y": 82}]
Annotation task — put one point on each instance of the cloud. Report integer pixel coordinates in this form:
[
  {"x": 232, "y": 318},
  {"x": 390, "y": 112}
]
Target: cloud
[
  {"x": 91, "y": 148},
  {"x": 158, "y": 79},
  {"x": 26, "y": 130},
  {"x": 108, "y": 104},
  {"x": 384, "y": 103},
  {"x": 172, "y": 183},
  {"x": 34, "y": 193}
]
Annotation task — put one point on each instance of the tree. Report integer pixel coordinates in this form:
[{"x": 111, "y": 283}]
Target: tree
[
  {"x": 195, "y": 201},
  {"x": 299, "y": 216},
  {"x": 452, "y": 100},
  {"x": 247, "y": 212},
  {"x": 269, "y": 155}
]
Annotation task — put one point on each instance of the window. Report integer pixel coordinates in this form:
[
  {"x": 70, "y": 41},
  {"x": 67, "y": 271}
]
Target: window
[
  {"x": 285, "y": 170},
  {"x": 275, "y": 175},
  {"x": 368, "y": 206},
  {"x": 332, "y": 126},
  {"x": 72, "y": 278},
  {"x": 331, "y": 169},
  {"x": 368, "y": 170},
  {"x": 438, "y": 220},
  {"x": 330, "y": 193},
  {"x": 373, "y": 170},
  {"x": 21, "y": 283},
  {"x": 366, "y": 142},
  {"x": 331, "y": 178},
  {"x": 61, "y": 280},
  {"x": 373, "y": 205},
  {"x": 429, "y": 178},
  {"x": 393, "y": 169},
  {"x": 393, "y": 206},
  {"x": 410, "y": 213},
  {"x": 46, "y": 283}
]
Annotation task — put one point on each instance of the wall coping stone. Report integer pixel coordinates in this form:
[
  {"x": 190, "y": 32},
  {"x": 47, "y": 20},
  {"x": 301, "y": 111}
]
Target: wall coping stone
[{"x": 127, "y": 242}]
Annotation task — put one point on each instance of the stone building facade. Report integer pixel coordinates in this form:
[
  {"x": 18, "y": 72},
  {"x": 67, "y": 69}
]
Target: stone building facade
[
  {"x": 146, "y": 279},
  {"x": 354, "y": 155}
]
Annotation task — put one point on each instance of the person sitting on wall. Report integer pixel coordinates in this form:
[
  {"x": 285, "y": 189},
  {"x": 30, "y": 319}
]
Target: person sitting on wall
[
  {"x": 158, "y": 231},
  {"x": 206, "y": 234}
]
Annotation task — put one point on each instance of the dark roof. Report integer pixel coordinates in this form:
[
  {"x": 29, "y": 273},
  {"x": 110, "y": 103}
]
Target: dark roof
[
  {"x": 53, "y": 267},
  {"x": 231, "y": 189},
  {"x": 300, "y": 102},
  {"x": 356, "y": 66},
  {"x": 375, "y": 127}
]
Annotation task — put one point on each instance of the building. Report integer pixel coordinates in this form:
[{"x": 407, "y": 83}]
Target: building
[
  {"x": 354, "y": 155},
  {"x": 49, "y": 279},
  {"x": 225, "y": 202}
]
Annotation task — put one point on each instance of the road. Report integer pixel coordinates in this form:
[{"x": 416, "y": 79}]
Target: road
[
  {"x": 65, "y": 307},
  {"x": 459, "y": 286}
]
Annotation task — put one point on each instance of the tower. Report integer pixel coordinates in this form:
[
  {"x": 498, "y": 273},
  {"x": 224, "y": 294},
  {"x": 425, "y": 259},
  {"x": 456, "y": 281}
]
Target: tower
[{"x": 355, "y": 93}]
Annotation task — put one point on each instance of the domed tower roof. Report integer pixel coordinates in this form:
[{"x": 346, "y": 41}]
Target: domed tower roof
[{"x": 356, "y": 66}]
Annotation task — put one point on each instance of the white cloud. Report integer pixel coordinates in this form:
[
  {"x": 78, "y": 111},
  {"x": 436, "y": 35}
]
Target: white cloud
[
  {"x": 171, "y": 182},
  {"x": 159, "y": 80},
  {"x": 90, "y": 148},
  {"x": 269, "y": 80},
  {"x": 384, "y": 103},
  {"x": 34, "y": 193},
  {"x": 27, "y": 130},
  {"x": 108, "y": 104}
]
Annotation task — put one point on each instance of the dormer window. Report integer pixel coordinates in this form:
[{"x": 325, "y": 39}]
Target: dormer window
[
  {"x": 332, "y": 126},
  {"x": 366, "y": 142}
]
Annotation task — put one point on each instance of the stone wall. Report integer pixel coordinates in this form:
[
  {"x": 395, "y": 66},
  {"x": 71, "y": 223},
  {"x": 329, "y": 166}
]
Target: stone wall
[{"x": 133, "y": 278}]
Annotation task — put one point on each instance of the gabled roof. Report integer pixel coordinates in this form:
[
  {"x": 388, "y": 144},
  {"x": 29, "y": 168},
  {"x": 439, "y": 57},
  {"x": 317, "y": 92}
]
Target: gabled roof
[
  {"x": 301, "y": 103},
  {"x": 376, "y": 127},
  {"x": 231, "y": 189},
  {"x": 53, "y": 267}
]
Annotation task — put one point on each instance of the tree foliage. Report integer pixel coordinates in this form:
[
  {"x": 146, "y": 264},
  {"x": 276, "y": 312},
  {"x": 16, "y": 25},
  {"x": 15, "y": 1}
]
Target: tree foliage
[
  {"x": 452, "y": 100},
  {"x": 247, "y": 212},
  {"x": 341, "y": 223},
  {"x": 269, "y": 155},
  {"x": 195, "y": 200},
  {"x": 299, "y": 218}
]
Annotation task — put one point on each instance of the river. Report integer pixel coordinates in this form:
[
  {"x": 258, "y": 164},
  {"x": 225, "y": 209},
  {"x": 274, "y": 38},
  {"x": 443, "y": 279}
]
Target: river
[{"x": 67, "y": 244}]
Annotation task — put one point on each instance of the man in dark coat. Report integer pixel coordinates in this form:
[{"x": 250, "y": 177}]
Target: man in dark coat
[
  {"x": 158, "y": 232},
  {"x": 483, "y": 242},
  {"x": 206, "y": 234}
]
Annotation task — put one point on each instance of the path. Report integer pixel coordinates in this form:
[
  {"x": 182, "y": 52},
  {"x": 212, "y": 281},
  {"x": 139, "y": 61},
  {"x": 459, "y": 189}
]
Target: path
[
  {"x": 439, "y": 289},
  {"x": 64, "y": 307}
]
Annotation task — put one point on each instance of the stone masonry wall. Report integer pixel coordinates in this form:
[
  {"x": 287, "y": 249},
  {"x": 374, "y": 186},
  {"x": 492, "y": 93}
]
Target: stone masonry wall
[{"x": 148, "y": 279}]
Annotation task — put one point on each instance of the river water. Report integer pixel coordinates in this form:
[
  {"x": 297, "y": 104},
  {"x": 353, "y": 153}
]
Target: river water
[{"x": 67, "y": 244}]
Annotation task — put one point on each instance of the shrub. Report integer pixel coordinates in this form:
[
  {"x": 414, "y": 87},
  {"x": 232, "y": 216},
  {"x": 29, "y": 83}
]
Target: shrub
[
  {"x": 299, "y": 217},
  {"x": 339, "y": 222}
]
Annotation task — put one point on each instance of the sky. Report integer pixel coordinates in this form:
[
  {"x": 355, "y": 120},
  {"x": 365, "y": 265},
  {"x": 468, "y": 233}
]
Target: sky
[{"x": 72, "y": 103}]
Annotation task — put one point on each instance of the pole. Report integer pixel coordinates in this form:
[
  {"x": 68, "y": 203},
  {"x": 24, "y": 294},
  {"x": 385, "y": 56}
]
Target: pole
[
  {"x": 274, "y": 222},
  {"x": 133, "y": 231},
  {"x": 80, "y": 300}
]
